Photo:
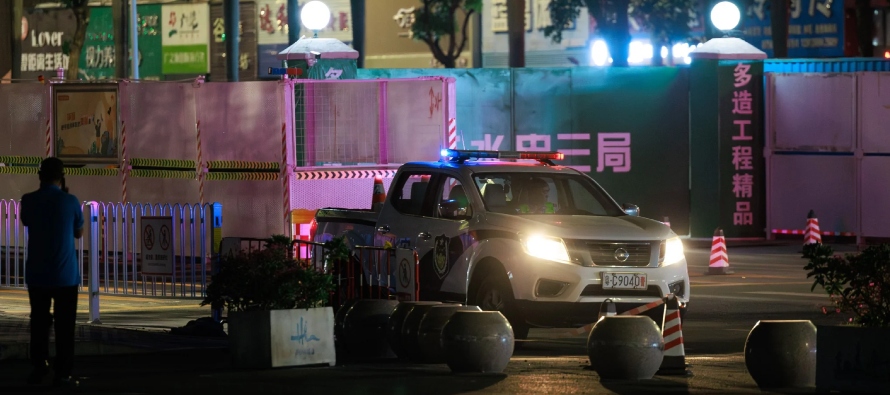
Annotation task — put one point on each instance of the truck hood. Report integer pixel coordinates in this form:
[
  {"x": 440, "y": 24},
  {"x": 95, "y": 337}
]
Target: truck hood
[{"x": 583, "y": 226}]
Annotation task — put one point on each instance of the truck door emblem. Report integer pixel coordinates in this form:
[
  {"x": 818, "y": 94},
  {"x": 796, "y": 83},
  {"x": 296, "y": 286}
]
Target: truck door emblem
[
  {"x": 440, "y": 252},
  {"x": 621, "y": 255}
]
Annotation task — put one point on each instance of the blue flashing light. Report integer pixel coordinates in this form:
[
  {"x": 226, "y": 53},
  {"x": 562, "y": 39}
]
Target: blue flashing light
[{"x": 461, "y": 155}]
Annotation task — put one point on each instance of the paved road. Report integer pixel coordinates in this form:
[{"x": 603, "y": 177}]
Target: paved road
[{"x": 768, "y": 283}]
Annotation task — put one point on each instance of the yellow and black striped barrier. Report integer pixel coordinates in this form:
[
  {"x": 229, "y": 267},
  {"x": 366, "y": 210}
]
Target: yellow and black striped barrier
[
  {"x": 71, "y": 171},
  {"x": 240, "y": 176},
  {"x": 144, "y": 173},
  {"x": 242, "y": 165},
  {"x": 163, "y": 163},
  {"x": 18, "y": 170},
  {"x": 21, "y": 160}
]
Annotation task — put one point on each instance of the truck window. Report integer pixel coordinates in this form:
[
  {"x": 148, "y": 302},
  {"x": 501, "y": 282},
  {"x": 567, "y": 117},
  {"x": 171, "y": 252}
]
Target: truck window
[
  {"x": 409, "y": 192},
  {"x": 524, "y": 193},
  {"x": 452, "y": 201}
]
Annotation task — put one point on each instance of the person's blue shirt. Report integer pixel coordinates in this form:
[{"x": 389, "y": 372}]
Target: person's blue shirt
[{"x": 52, "y": 217}]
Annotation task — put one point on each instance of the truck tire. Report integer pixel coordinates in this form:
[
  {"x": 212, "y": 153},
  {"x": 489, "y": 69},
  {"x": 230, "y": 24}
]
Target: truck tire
[{"x": 495, "y": 294}]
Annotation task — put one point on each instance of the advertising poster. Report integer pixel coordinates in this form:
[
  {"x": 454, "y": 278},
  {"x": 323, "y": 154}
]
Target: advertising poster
[
  {"x": 185, "y": 37},
  {"x": 97, "y": 57},
  {"x": 247, "y": 47},
  {"x": 815, "y": 28},
  {"x": 46, "y": 33},
  {"x": 86, "y": 122}
]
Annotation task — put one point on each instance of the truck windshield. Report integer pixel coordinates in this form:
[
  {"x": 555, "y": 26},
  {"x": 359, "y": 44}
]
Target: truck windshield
[{"x": 525, "y": 193}]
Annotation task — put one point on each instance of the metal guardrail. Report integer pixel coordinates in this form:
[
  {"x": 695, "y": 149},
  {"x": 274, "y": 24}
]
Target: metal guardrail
[{"x": 110, "y": 251}]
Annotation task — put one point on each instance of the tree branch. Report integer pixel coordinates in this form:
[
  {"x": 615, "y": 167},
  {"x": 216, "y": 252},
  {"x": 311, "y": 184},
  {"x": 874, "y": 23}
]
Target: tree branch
[{"x": 463, "y": 33}]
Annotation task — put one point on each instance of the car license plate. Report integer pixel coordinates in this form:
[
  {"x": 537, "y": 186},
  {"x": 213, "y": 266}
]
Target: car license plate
[{"x": 624, "y": 281}]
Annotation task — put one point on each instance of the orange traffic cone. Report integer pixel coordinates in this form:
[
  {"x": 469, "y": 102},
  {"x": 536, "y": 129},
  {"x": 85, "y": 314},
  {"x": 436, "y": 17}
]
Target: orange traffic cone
[
  {"x": 812, "y": 235},
  {"x": 667, "y": 221},
  {"x": 379, "y": 194},
  {"x": 719, "y": 263},
  {"x": 674, "y": 362}
]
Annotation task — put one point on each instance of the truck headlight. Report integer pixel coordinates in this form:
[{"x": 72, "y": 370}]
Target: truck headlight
[
  {"x": 673, "y": 251},
  {"x": 551, "y": 248}
]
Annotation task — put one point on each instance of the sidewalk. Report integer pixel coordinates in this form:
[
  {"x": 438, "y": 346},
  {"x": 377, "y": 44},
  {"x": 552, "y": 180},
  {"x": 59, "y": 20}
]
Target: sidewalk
[{"x": 120, "y": 360}]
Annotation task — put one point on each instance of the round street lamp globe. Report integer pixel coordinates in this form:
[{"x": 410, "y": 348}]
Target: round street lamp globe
[
  {"x": 315, "y": 15},
  {"x": 725, "y": 15}
]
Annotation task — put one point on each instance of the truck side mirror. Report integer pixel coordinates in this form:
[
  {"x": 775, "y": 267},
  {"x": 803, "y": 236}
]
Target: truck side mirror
[
  {"x": 453, "y": 209},
  {"x": 631, "y": 209}
]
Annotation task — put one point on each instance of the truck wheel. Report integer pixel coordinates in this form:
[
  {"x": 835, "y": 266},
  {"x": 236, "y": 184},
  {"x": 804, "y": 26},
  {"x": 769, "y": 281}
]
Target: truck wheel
[{"x": 494, "y": 294}]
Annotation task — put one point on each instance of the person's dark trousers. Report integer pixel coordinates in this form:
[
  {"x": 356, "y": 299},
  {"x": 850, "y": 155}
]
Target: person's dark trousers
[{"x": 63, "y": 318}]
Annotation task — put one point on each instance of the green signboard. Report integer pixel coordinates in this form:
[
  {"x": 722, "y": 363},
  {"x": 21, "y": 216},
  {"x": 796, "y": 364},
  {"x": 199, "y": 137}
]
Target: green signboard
[
  {"x": 98, "y": 55},
  {"x": 185, "y": 36}
]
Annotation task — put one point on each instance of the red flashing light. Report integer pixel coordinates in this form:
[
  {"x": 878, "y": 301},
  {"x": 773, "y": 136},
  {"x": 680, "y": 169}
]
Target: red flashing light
[
  {"x": 542, "y": 155},
  {"x": 886, "y": 54}
]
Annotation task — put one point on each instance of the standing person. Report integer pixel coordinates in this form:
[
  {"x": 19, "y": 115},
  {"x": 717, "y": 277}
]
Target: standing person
[{"x": 54, "y": 219}]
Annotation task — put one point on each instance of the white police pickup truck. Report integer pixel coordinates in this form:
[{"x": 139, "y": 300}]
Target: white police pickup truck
[{"x": 543, "y": 244}]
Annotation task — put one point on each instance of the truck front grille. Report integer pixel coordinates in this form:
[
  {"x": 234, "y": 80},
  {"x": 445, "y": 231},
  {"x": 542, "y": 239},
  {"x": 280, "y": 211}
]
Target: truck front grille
[{"x": 615, "y": 253}]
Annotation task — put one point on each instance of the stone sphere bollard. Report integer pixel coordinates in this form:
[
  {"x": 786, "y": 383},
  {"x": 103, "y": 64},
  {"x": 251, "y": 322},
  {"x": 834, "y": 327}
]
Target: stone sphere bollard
[
  {"x": 338, "y": 320},
  {"x": 625, "y": 347},
  {"x": 410, "y": 327},
  {"x": 394, "y": 326},
  {"x": 429, "y": 332},
  {"x": 364, "y": 328},
  {"x": 782, "y": 354},
  {"x": 477, "y": 342}
]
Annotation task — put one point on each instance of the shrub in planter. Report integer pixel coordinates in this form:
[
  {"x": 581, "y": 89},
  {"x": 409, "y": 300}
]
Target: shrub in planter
[
  {"x": 276, "y": 305},
  {"x": 852, "y": 357},
  {"x": 856, "y": 283}
]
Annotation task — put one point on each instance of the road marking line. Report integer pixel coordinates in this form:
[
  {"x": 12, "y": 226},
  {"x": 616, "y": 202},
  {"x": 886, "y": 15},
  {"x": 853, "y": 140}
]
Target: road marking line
[{"x": 809, "y": 295}]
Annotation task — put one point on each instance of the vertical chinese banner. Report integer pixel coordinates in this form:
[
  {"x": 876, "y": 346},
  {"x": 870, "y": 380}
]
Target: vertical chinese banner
[
  {"x": 741, "y": 165},
  {"x": 185, "y": 30},
  {"x": 272, "y": 31},
  {"x": 247, "y": 43}
]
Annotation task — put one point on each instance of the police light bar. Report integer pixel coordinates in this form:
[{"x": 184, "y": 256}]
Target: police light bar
[
  {"x": 292, "y": 71},
  {"x": 461, "y": 155}
]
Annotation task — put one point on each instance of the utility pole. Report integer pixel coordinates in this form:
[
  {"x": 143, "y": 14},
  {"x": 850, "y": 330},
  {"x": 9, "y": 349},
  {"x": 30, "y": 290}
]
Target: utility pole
[
  {"x": 516, "y": 32},
  {"x": 232, "y": 14}
]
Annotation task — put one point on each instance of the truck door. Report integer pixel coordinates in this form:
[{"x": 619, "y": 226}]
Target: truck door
[{"x": 443, "y": 237}]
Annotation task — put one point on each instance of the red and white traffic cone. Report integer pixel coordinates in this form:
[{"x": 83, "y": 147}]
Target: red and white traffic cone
[
  {"x": 719, "y": 263},
  {"x": 674, "y": 362},
  {"x": 379, "y": 195},
  {"x": 812, "y": 235}
]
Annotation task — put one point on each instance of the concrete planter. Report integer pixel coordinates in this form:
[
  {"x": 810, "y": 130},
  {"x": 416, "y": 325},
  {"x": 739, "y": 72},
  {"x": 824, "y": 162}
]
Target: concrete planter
[
  {"x": 410, "y": 328},
  {"x": 276, "y": 338},
  {"x": 364, "y": 328},
  {"x": 853, "y": 359},
  {"x": 625, "y": 347},
  {"x": 782, "y": 354},
  {"x": 429, "y": 332},
  {"x": 394, "y": 326},
  {"x": 477, "y": 342}
]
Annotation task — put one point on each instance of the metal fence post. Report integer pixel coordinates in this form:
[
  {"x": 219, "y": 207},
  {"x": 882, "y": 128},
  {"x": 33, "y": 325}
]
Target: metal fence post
[
  {"x": 94, "y": 263},
  {"x": 215, "y": 240}
]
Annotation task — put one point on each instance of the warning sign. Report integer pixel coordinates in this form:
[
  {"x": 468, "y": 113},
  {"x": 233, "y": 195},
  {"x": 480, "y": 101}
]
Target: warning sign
[
  {"x": 405, "y": 285},
  {"x": 157, "y": 242}
]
